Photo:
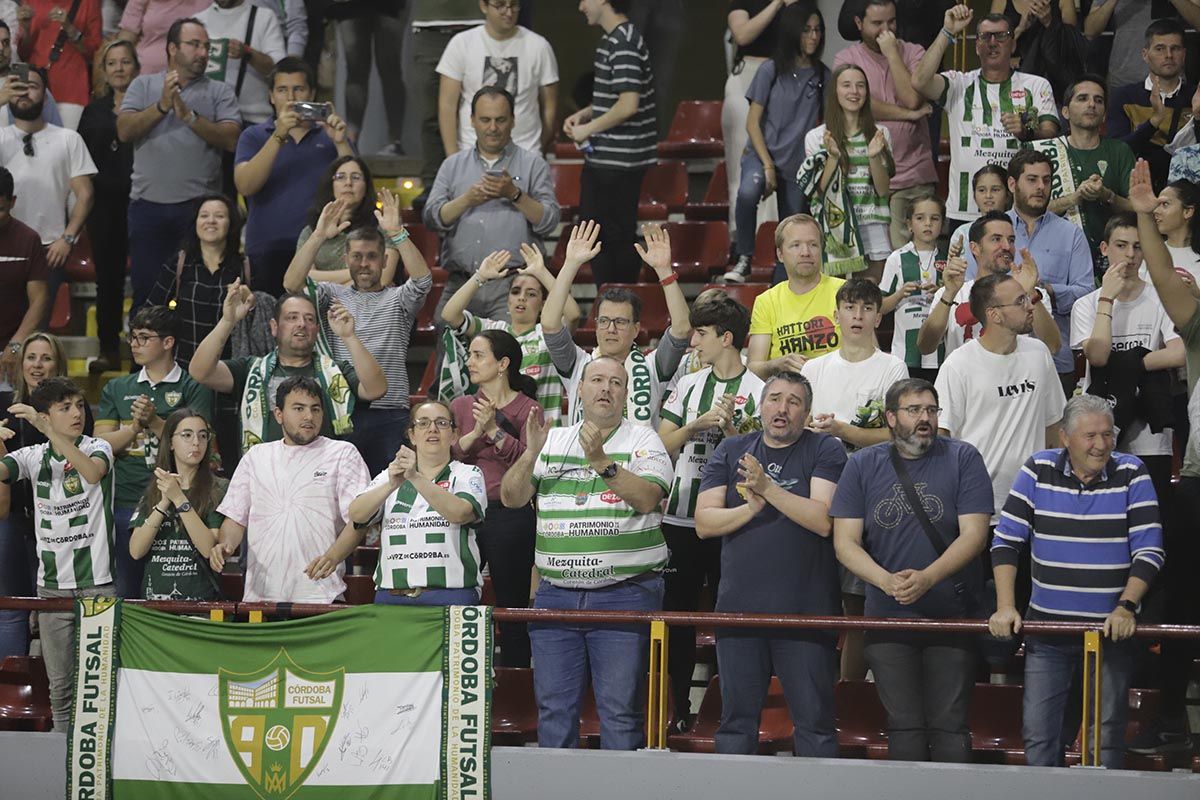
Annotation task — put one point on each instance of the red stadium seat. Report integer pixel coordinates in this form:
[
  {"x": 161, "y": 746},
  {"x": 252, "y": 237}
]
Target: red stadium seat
[
  {"x": 514, "y": 709},
  {"x": 715, "y": 205},
  {"x": 655, "y": 318},
  {"x": 995, "y": 723},
  {"x": 440, "y": 275},
  {"x": 24, "y": 695},
  {"x": 664, "y": 190},
  {"x": 695, "y": 131},
  {"x": 425, "y": 332},
  {"x": 567, "y": 150},
  {"x": 698, "y": 249},
  {"x": 360, "y": 590},
  {"x": 744, "y": 293},
  {"x": 566, "y": 188},
  {"x": 80, "y": 266},
  {"x": 232, "y": 586},
  {"x": 774, "y": 730},
  {"x": 762, "y": 263},
  {"x": 365, "y": 559},
  {"x": 427, "y": 242},
  {"x": 60, "y": 312},
  {"x": 861, "y": 720}
]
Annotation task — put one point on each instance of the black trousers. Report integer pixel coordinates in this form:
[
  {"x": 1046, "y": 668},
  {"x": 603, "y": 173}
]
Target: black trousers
[
  {"x": 1180, "y": 596},
  {"x": 693, "y": 561},
  {"x": 109, "y": 234},
  {"x": 609, "y": 197},
  {"x": 506, "y": 546}
]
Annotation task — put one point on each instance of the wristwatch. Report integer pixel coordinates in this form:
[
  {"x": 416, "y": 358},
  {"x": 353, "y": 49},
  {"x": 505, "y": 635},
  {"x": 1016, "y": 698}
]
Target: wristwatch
[
  {"x": 184, "y": 507},
  {"x": 1129, "y": 606},
  {"x": 70, "y": 238},
  {"x": 609, "y": 472}
]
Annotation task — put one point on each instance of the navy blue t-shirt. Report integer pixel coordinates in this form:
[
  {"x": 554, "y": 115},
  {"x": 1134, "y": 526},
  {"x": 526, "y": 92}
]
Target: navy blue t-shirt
[
  {"x": 772, "y": 565},
  {"x": 951, "y": 480}
]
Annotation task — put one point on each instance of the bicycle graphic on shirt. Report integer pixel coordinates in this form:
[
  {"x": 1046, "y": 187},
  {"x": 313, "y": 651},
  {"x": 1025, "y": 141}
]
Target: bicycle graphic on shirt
[{"x": 891, "y": 512}]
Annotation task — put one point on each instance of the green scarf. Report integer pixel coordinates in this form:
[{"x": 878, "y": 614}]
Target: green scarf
[
  {"x": 842, "y": 251},
  {"x": 1062, "y": 178},
  {"x": 256, "y": 404}
]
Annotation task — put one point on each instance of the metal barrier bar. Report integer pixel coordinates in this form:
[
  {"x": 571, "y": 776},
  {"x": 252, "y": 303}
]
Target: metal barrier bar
[
  {"x": 1092, "y": 685},
  {"x": 656, "y": 696}
]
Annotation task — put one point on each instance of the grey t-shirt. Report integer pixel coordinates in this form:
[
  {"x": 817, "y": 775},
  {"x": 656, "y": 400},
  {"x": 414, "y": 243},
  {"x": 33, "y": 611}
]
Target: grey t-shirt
[
  {"x": 172, "y": 164},
  {"x": 1129, "y": 22},
  {"x": 791, "y": 104}
]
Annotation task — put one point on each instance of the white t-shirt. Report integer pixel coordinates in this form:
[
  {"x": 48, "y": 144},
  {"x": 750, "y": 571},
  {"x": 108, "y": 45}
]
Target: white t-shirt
[
  {"x": 962, "y": 325},
  {"x": 853, "y": 391},
  {"x": 522, "y": 64},
  {"x": 43, "y": 180},
  {"x": 908, "y": 264},
  {"x": 1140, "y": 323},
  {"x": 419, "y": 548},
  {"x": 977, "y": 136},
  {"x": 1181, "y": 258},
  {"x": 644, "y": 397},
  {"x": 1002, "y": 404},
  {"x": 293, "y": 501},
  {"x": 224, "y": 24}
]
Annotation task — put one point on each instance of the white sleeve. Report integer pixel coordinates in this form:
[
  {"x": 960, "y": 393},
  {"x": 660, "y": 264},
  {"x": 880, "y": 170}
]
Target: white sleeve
[
  {"x": 81, "y": 159},
  {"x": 947, "y": 386},
  {"x": 270, "y": 37},
  {"x": 1043, "y": 98},
  {"x": 548, "y": 64},
  {"x": 451, "y": 64},
  {"x": 648, "y": 459},
  {"x": 1165, "y": 326},
  {"x": 814, "y": 140},
  {"x": 955, "y": 84},
  {"x": 891, "y": 272},
  {"x": 1055, "y": 401},
  {"x": 1083, "y": 319}
]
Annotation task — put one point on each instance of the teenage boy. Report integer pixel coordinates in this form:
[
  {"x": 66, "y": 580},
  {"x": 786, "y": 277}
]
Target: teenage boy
[
  {"x": 72, "y": 480},
  {"x": 719, "y": 400},
  {"x": 132, "y": 411}
]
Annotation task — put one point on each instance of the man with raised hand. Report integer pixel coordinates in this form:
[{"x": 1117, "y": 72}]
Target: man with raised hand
[{"x": 618, "y": 322}]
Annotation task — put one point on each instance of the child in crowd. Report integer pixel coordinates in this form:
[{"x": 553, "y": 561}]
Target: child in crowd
[
  {"x": 990, "y": 187},
  {"x": 910, "y": 277}
]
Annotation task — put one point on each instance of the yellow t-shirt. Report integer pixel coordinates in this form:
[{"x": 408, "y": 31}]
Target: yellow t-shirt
[{"x": 805, "y": 324}]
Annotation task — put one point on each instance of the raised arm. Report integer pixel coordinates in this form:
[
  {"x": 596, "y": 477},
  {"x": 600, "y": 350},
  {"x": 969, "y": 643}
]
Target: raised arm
[
  {"x": 326, "y": 228},
  {"x": 372, "y": 384},
  {"x": 535, "y": 265},
  {"x": 925, "y": 79},
  {"x": 745, "y": 28},
  {"x": 657, "y": 254},
  {"x": 584, "y": 245},
  {"x": 1176, "y": 298},
  {"x": 1096, "y": 22},
  {"x": 491, "y": 268},
  {"x": 206, "y": 366},
  {"x": 516, "y": 487}
]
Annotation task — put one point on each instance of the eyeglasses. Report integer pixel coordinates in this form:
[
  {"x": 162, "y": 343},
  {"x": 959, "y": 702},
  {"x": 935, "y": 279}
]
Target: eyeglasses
[
  {"x": 502, "y": 7},
  {"x": 920, "y": 411},
  {"x": 353, "y": 177},
  {"x": 193, "y": 436},
  {"x": 995, "y": 36},
  {"x": 142, "y": 339},
  {"x": 1021, "y": 302},
  {"x": 27, "y": 139},
  {"x": 196, "y": 43},
  {"x": 620, "y": 323},
  {"x": 424, "y": 422}
]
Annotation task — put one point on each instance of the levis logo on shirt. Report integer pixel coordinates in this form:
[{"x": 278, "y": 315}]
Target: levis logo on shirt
[{"x": 1013, "y": 389}]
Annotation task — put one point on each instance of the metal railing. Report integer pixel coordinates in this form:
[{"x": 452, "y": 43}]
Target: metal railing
[{"x": 659, "y": 622}]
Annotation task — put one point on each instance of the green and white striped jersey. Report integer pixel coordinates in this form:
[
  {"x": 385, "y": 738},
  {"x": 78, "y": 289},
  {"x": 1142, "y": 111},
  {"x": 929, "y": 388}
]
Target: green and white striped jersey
[
  {"x": 643, "y": 400},
  {"x": 869, "y": 207},
  {"x": 535, "y": 360},
  {"x": 977, "y": 135},
  {"x": 418, "y": 547},
  {"x": 73, "y": 519},
  {"x": 689, "y": 400},
  {"x": 587, "y": 536},
  {"x": 909, "y": 265}
]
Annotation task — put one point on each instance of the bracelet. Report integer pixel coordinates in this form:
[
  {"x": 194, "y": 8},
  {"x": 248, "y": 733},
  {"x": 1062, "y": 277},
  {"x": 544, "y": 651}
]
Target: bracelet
[
  {"x": 158, "y": 107},
  {"x": 946, "y": 32},
  {"x": 398, "y": 239},
  {"x": 1104, "y": 299},
  {"x": 667, "y": 281},
  {"x": 1103, "y": 314},
  {"x": 947, "y": 303},
  {"x": 282, "y": 139},
  {"x": 517, "y": 199},
  {"x": 160, "y": 511},
  {"x": 477, "y": 279}
]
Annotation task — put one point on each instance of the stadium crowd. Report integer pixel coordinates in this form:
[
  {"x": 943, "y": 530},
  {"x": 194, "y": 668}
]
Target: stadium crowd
[{"x": 1006, "y": 453}]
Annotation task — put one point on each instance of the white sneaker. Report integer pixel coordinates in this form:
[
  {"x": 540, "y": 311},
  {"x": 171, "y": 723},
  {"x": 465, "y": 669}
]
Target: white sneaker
[{"x": 740, "y": 273}]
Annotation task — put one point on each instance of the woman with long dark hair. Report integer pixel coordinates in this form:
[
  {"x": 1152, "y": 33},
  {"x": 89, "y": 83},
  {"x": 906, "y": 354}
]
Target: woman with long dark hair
[
  {"x": 348, "y": 181},
  {"x": 107, "y": 227},
  {"x": 193, "y": 283},
  {"x": 177, "y": 521},
  {"x": 491, "y": 426},
  {"x": 786, "y": 100}
]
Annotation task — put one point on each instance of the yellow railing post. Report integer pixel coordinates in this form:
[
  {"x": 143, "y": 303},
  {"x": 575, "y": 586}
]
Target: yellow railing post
[
  {"x": 256, "y": 616},
  {"x": 656, "y": 696},
  {"x": 216, "y": 615},
  {"x": 1092, "y": 688}
]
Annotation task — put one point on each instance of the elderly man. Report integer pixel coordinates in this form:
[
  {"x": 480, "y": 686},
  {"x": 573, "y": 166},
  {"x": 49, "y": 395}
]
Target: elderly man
[
  {"x": 910, "y": 518},
  {"x": 493, "y": 196},
  {"x": 1090, "y": 518},
  {"x": 768, "y": 494},
  {"x": 599, "y": 484}
]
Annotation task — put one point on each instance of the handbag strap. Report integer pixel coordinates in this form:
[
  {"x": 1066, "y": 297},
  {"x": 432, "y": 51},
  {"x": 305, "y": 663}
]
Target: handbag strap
[
  {"x": 61, "y": 41},
  {"x": 910, "y": 493},
  {"x": 244, "y": 61}
]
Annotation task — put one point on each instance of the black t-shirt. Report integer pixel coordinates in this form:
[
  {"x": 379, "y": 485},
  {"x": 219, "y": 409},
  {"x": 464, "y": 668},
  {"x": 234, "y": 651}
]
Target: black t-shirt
[{"x": 764, "y": 45}]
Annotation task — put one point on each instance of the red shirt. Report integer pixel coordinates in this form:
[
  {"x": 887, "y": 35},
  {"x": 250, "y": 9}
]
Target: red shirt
[
  {"x": 494, "y": 459},
  {"x": 69, "y": 74},
  {"x": 22, "y": 259}
]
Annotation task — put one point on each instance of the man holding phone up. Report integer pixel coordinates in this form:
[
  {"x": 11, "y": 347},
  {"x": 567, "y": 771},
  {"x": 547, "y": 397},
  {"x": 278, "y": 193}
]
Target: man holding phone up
[
  {"x": 278, "y": 165},
  {"x": 493, "y": 196}
]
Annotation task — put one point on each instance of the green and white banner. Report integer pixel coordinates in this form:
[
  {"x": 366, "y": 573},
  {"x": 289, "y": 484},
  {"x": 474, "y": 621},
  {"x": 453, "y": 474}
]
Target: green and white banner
[{"x": 368, "y": 702}]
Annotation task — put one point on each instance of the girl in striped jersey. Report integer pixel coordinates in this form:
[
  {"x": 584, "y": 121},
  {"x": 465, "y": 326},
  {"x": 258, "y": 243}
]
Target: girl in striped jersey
[
  {"x": 531, "y": 285},
  {"x": 910, "y": 277},
  {"x": 429, "y": 507}
]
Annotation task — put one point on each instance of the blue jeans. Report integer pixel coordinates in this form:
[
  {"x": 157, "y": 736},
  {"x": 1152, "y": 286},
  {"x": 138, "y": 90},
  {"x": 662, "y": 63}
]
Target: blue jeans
[
  {"x": 18, "y": 571},
  {"x": 806, "y": 668},
  {"x": 615, "y": 655},
  {"x": 378, "y": 434},
  {"x": 750, "y": 194},
  {"x": 155, "y": 233},
  {"x": 429, "y": 597},
  {"x": 129, "y": 572},
  {"x": 1051, "y": 712}
]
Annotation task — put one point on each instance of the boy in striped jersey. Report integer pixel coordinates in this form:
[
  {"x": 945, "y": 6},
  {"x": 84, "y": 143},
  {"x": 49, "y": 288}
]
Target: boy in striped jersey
[
  {"x": 1090, "y": 518},
  {"x": 719, "y": 400},
  {"x": 992, "y": 110},
  {"x": 618, "y": 322},
  {"x": 72, "y": 479},
  {"x": 526, "y": 297}
]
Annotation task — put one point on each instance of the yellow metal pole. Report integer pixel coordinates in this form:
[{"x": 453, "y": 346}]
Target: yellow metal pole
[
  {"x": 256, "y": 616},
  {"x": 216, "y": 615},
  {"x": 656, "y": 696},
  {"x": 1092, "y": 686}
]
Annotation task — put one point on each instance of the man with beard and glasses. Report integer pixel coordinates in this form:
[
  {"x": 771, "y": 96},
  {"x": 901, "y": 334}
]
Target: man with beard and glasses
[
  {"x": 49, "y": 165},
  {"x": 180, "y": 122},
  {"x": 253, "y": 380},
  {"x": 383, "y": 316},
  {"x": 10, "y": 85},
  {"x": 991, "y": 110},
  {"x": 1000, "y": 392},
  {"x": 951, "y": 321},
  {"x": 924, "y": 682},
  {"x": 767, "y": 495},
  {"x": 290, "y": 500},
  {"x": 1092, "y": 170}
]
